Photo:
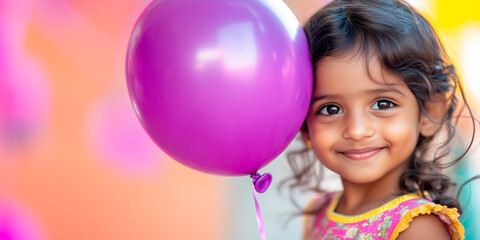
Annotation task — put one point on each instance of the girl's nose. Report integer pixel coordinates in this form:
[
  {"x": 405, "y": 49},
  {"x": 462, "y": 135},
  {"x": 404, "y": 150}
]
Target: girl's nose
[{"x": 357, "y": 126}]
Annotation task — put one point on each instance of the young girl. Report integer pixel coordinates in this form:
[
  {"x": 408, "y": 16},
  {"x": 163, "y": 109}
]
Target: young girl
[{"x": 381, "y": 118}]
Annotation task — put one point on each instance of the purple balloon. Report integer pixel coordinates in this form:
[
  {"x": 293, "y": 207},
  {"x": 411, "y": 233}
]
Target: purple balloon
[{"x": 221, "y": 86}]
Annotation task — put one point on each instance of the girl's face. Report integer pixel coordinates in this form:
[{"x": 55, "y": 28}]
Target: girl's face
[{"x": 361, "y": 128}]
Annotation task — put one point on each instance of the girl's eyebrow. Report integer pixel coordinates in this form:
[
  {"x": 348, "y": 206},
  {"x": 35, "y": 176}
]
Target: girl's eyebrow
[
  {"x": 372, "y": 91},
  {"x": 385, "y": 90},
  {"x": 317, "y": 98}
]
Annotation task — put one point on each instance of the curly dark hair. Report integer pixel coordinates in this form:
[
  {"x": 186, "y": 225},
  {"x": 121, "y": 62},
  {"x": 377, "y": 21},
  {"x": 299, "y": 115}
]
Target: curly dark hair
[{"x": 407, "y": 45}]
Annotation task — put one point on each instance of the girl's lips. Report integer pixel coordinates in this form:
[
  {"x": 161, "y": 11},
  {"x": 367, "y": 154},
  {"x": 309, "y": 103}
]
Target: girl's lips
[{"x": 361, "y": 154}]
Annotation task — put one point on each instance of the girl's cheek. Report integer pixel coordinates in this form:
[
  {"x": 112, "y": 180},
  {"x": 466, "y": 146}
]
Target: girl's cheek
[{"x": 318, "y": 129}]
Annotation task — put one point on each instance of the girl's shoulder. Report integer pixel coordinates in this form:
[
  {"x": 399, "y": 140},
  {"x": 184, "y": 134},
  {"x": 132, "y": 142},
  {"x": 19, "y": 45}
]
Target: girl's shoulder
[
  {"x": 424, "y": 206},
  {"x": 384, "y": 222}
]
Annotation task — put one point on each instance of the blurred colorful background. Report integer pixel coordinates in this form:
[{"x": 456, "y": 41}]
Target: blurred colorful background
[{"x": 76, "y": 164}]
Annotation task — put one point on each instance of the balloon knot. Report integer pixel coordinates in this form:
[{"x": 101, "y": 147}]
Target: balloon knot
[{"x": 261, "y": 182}]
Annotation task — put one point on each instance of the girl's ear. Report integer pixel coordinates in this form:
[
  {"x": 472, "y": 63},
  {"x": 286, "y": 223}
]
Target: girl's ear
[
  {"x": 305, "y": 134},
  {"x": 432, "y": 121}
]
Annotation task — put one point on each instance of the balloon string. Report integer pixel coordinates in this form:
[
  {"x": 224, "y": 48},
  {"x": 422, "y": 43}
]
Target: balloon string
[{"x": 259, "y": 216}]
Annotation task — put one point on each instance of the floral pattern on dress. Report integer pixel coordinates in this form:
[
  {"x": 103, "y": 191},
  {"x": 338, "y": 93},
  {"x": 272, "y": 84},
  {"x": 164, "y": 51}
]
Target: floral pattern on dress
[{"x": 379, "y": 223}]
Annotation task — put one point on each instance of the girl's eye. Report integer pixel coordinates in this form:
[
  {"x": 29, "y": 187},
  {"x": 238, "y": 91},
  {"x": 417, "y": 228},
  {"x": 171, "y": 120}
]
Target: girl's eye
[
  {"x": 383, "y": 104},
  {"x": 330, "y": 110}
]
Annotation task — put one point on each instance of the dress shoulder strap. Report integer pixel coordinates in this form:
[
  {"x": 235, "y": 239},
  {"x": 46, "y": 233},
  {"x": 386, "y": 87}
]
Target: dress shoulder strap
[{"x": 449, "y": 216}]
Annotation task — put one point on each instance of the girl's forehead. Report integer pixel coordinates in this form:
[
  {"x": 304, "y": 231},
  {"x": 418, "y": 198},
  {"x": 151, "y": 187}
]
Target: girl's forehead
[
  {"x": 354, "y": 56},
  {"x": 353, "y": 72}
]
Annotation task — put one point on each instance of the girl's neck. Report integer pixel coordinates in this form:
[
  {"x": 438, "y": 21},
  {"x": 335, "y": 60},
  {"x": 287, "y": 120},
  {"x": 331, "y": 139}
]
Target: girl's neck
[
  {"x": 357, "y": 201},
  {"x": 361, "y": 198}
]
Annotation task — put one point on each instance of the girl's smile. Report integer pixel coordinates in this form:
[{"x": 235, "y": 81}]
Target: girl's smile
[{"x": 360, "y": 154}]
